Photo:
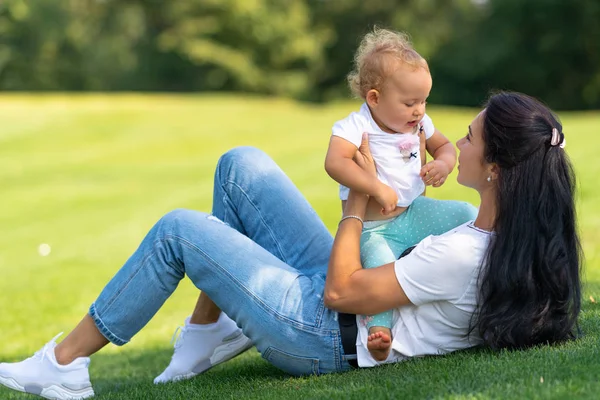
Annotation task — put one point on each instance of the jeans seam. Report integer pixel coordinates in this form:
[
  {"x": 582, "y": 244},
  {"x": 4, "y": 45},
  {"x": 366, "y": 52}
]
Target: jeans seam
[
  {"x": 320, "y": 312},
  {"x": 224, "y": 200},
  {"x": 126, "y": 283},
  {"x": 257, "y": 300},
  {"x": 282, "y": 258},
  {"x": 104, "y": 329},
  {"x": 336, "y": 348},
  {"x": 138, "y": 268}
]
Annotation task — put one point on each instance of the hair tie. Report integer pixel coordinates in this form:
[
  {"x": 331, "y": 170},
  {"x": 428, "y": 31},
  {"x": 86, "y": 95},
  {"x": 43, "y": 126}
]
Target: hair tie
[{"x": 556, "y": 139}]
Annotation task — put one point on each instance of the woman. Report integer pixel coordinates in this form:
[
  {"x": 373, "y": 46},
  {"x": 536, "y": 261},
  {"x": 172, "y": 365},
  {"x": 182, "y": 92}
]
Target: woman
[{"x": 509, "y": 279}]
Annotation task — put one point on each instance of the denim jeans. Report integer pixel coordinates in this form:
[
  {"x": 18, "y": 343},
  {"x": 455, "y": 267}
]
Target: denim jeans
[{"x": 261, "y": 257}]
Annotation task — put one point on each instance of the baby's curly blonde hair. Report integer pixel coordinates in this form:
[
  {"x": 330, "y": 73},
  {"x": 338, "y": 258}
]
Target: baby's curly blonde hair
[{"x": 372, "y": 59}]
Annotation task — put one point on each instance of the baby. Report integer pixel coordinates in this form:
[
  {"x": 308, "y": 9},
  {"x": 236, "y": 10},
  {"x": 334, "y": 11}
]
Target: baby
[{"x": 394, "y": 82}]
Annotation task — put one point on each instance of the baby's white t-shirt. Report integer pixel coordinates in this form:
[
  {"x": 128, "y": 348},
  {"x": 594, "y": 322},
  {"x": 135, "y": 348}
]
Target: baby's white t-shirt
[
  {"x": 396, "y": 155},
  {"x": 440, "y": 279}
]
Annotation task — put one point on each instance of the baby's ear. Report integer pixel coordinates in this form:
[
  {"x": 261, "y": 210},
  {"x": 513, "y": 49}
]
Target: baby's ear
[{"x": 372, "y": 97}]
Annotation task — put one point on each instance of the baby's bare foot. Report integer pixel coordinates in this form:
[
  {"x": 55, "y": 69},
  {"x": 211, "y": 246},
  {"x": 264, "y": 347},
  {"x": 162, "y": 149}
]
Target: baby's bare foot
[{"x": 379, "y": 343}]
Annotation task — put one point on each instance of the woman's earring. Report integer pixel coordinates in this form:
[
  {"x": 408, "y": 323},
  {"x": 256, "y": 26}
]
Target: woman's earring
[{"x": 489, "y": 178}]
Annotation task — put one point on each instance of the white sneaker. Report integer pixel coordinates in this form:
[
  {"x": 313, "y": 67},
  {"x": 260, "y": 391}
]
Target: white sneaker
[
  {"x": 200, "y": 348},
  {"x": 44, "y": 376}
]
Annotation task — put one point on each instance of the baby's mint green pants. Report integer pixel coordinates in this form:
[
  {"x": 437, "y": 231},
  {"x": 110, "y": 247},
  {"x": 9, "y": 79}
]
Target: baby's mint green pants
[{"x": 382, "y": 242}]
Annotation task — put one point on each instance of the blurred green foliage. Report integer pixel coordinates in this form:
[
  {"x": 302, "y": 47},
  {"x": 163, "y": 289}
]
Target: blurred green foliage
[{"x": 300, "y": 48}]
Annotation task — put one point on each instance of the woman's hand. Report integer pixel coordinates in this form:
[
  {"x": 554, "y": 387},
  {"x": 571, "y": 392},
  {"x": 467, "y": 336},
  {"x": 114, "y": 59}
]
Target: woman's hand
[
  {"x": 364, "y": 158},
  {"x": 385, "y": 195},
  {"x": 357, "y": 202}
]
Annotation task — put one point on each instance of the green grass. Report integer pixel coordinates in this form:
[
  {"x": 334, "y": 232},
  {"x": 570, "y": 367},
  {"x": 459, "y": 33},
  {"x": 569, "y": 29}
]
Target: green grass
[{"x": 90, "y": 175}]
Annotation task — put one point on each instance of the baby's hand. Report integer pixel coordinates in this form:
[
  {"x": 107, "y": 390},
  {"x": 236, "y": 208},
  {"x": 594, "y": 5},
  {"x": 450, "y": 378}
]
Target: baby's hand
[
  {"x": 387, "y": 197},
  {"x": 434, "y": 173}
]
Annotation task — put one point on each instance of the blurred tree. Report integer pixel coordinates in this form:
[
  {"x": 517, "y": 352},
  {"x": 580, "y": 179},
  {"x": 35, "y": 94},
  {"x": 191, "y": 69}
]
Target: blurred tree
[
  {"x": 69, "y": 45},
  {"x": 300, "y": 48},
  {"x": 546, "y": 48},
  {"x": 264, "y": 46},
  {"x": 33, "y": 49},
  {"x": 429, "y": 23}
]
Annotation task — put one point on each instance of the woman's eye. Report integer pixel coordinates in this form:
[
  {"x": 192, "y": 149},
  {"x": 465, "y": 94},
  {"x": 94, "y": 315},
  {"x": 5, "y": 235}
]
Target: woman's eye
[{"x": 467, "y": 137}]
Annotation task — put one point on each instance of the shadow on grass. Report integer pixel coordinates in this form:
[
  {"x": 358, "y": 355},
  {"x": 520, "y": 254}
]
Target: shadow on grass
[
  {"x": 565, "y": 371},
  {"x": 131, "y": 374}
]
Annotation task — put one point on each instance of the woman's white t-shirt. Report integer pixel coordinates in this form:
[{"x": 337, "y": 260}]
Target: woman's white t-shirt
[
  {"x": 397, "y": 155},
  {"x": 440, "y": 278}
]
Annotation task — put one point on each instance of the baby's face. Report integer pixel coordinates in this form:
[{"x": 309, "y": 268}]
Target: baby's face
[{"x": 402, "y": 100}]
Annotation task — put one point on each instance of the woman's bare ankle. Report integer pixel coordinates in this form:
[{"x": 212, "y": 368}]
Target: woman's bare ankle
[
  {"x": 205, "y": 312},
  {"x": 83, "y": 341}
]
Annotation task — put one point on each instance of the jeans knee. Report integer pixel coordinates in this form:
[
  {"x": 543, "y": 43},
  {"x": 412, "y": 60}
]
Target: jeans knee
[
  {"x": 171, "y": 220},
  {"x": 242, "y": 162},
  {"x": 243, "y": 155}
]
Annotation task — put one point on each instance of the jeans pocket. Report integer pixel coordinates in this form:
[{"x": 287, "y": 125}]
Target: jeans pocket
[{"x": 292, "y": 364}]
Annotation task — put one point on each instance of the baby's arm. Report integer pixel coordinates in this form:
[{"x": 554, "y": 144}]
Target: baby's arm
[
  {"x": 340, "y": 165},
  {"x": 444, "y": 159}
]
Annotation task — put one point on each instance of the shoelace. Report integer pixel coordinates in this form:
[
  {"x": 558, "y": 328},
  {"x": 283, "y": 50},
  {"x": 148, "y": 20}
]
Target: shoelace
[
  {"x": 41, "y": 354},
  {"x": 176, "y": 340}
]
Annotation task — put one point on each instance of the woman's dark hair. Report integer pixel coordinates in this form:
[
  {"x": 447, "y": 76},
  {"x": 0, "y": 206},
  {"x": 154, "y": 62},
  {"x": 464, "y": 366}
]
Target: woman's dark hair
[{"x": 530, "y": 289}]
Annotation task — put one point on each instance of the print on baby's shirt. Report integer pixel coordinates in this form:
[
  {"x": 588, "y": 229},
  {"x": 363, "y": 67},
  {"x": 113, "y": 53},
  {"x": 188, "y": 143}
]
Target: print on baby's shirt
[{"x": 409, "y": 147}]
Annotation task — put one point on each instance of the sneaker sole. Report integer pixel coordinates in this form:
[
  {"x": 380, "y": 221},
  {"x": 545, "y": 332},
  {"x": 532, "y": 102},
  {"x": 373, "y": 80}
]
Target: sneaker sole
[
  {"x": 224, "y": 352},
  {"x": 50, "y": 392},
  {"x": 221, "y": 354}
]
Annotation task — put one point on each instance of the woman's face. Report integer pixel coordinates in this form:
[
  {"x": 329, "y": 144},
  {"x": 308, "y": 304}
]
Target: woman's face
[{"x": 473, "y": 171}]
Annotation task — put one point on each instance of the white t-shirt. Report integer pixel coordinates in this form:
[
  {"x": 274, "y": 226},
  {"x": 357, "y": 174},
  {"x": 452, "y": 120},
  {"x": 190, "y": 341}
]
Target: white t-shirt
[
  {"x": 397, "y": 156},
  {"x": 440, "y": 278}
]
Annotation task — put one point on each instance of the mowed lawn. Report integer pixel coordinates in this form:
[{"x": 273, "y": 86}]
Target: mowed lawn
[{"x": 89, "y": 175}]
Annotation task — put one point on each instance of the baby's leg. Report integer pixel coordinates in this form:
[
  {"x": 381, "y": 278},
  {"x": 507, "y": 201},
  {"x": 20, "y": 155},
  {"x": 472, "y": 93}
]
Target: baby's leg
[
  {"x": 427, "y": 216},
  {"x": 385, "y": 243},
  {"x": 376, "y": 252}
]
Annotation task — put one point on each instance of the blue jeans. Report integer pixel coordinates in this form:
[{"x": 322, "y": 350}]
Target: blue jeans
[{"x": 261, "y": 257}]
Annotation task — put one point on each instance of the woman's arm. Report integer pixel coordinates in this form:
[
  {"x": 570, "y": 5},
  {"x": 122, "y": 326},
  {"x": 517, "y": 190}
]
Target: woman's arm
[{"x": 349, "y": 287}]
